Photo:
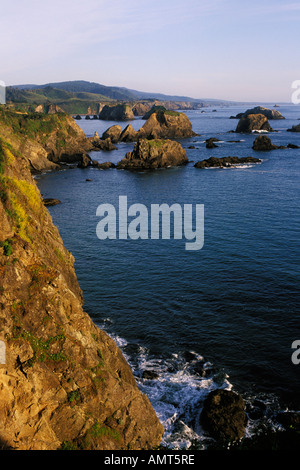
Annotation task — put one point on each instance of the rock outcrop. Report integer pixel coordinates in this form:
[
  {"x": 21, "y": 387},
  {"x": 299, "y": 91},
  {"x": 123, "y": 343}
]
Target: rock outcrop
[
  {"x": 295, "y": 128},
  {"x": 167, "y": 125},
  {"x": 269, "y": 113},
  {"x": 161, "y": 124},
  {"x": 119, "y": 112},
  {"x": 102, "y": 144},
  {"x": 263, "y": 143},
  {"x": 64, "y": 382},
  {"x": 152, "y": 154},
  {"x": 253, "y": 122},
  {"x": 113, "y": 133},
  {"x": 225, "y": 162},
  {"x": 223, "y": 415}
]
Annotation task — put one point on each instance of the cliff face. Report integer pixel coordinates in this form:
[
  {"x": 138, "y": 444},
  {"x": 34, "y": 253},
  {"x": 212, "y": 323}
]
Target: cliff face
[{"x": 63, "y": 382}]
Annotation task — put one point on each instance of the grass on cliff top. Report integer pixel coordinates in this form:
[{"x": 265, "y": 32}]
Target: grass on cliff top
[{"x": 31, "y": 125}]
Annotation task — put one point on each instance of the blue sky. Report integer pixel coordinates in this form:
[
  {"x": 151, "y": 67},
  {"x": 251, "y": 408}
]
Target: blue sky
[{"x": 224, "y": 49}]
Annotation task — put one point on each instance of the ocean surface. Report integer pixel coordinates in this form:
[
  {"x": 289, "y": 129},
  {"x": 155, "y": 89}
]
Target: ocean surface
[{"x": 224, "y": 316}]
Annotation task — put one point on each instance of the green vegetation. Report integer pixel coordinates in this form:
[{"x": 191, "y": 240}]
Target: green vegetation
[
  {"x": 7, "y": 248},
  {"x": 172, "y": 113},
  {"x": 41, "y": 348},
  {"x": 157, "y": 143},
  {"x": 93, "y": 436}
]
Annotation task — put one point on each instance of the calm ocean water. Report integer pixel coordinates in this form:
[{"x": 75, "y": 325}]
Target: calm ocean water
[{"x": 231, "y": 308}]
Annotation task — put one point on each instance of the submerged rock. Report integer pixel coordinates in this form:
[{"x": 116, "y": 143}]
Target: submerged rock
[
  {"x": 223, "y": 415},
  {"x": 253, "y": 122},
  {"x": 225, "y": 162},
  {"x": 151, "y": 154}
]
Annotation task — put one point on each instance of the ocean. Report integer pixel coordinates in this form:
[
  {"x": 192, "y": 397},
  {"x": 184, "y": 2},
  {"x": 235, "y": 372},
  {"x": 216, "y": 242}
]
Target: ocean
[{"x": 224, "y": 316}]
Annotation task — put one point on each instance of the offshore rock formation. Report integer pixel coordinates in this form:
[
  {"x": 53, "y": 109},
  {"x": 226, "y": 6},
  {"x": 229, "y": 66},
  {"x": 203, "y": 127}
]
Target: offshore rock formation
[
  {"x": 119, "y": 112},
  {"x": 64, "y": 382},
  {"x": 161, "y": 124},
  {"x": 253, "y": 122},
  {"x": 167, "y": 125},
  {"x": 269, "y": 113},
  {"x": 294, "y": 128},
  {"x": 263, "y": 143},
  {"x": 152, "y": 154},
  {"x": 225, "y": 162}
]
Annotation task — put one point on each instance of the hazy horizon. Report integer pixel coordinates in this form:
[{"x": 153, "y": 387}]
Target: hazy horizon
[{"x": 195, "y": 48}]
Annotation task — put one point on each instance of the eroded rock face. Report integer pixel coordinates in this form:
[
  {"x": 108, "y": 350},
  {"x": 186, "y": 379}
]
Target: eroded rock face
[
  {"x": 64, "y": 382},
  {"x": 151, "y": 154},
  {"x": 223, "y": 415},
  {"x": 253, "y": 122}
]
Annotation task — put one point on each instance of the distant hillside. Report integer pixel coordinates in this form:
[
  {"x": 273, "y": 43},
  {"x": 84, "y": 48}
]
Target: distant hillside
[{"x": 113, "y": 93}]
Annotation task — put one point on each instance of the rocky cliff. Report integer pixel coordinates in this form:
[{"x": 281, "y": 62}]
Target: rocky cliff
[
  {"x": 46, "y": 140},
  {"x": 63, "y": 381}
]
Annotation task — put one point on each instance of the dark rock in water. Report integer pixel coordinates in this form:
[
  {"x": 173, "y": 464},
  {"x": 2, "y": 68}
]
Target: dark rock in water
[
  {"x": 295, "y": 128},
  {"x": 256, "y": 410},
  {"x": 293, "y": 146},
  {"x": 192, "y": 147},
  {"x": 88, "y": 179},
  {"x": 95, "y": 117},
  {"x": 78, "y": 117},
  {"x": 210, "y": 143},
  {"x": 263, "y": 143},
  {"x": 253, "y": 122},
  {"x": 51, "y": 202},
  {"x": 87, "y": 117},
  {"x": 150, "y": 375},
  {"x": 225, "y": 162},
  {"x": 104, "y": 166},
  {"x": 85, "y": 161},
  {"x": 151, "y": 154},
  {"x": 224, "y": 416},
  {"x": 288, "y": 419},
  {"x": 269, "y": 113}
]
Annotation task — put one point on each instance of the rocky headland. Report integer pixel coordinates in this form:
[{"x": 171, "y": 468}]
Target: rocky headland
[
  {"x": 46, "y": 140},
  {"x": 118, "y": 112},
  {"x": 64, "y": 382}
]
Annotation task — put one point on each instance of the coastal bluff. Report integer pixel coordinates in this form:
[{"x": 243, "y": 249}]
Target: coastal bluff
[{"x": 64, "y": 382}]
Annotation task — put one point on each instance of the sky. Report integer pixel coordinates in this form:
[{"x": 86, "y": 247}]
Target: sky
[{"x": 222, "y": 49}]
